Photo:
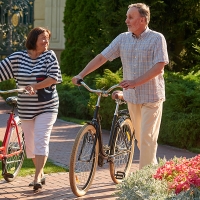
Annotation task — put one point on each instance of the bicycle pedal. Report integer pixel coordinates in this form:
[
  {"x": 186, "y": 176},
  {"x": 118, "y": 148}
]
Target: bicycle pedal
[
  {"x": 100, "y": 161},
  {"x": 106, "y": 147},
  {"x": 120, "y": 175}
]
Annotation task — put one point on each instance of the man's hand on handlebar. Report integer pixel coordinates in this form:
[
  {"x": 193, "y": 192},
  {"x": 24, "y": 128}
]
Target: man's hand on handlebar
[{"x": 117, "y": 94}]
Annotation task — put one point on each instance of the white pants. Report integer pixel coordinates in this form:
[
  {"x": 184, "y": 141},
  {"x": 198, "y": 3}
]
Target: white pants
[
  {"x": 146, "y": 119},
  {"x": 37, "y": 133}
]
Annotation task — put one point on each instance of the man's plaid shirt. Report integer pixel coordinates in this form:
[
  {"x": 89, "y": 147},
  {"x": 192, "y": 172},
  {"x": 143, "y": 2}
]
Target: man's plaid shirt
[{"x": 138, "y": 55}]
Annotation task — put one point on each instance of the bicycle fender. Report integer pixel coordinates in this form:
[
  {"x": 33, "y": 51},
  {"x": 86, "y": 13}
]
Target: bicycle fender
[{"x": 17, "y": 119}]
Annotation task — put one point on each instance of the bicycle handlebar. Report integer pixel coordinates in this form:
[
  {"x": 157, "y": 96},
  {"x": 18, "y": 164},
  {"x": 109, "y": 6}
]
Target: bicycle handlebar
[
  {"x": 13, "y": 90},
  {"x": 98, "y": 91}
]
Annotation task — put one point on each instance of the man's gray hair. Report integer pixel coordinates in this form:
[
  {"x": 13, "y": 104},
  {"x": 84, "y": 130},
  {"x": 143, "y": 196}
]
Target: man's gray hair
[{"x": 143, "y": 9}]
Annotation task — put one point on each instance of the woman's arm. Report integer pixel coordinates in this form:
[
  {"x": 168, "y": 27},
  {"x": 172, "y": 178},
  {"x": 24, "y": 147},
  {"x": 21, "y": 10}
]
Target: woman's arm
[{"x": 45, "y": 83}]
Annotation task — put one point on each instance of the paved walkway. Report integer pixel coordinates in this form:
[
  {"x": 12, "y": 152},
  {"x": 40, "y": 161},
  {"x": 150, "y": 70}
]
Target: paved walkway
[{"x": 57, "y": 184}]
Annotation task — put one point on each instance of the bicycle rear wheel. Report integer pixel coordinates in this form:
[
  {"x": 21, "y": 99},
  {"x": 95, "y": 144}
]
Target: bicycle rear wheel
[
  {"x": 12, "y": 165},
  {"x": 123, "y": 148},
  {"x": 82, "y": 168}
]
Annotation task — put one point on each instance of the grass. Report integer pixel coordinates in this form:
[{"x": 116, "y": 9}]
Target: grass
[
  {"x": 28, "y": 166},
  {"x": 29, "y": 169},
  {"x": 195, "y": 150},
  {"x": 74, "y": 120}
]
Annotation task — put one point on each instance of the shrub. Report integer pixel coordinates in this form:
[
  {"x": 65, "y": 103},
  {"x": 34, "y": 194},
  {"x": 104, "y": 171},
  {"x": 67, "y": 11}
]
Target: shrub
[
  {"x": 8, "y": 85},
  {"x": 73, "y": 103},
  {"x": 81, "y": 30},
  {"x": 143, "y": 184},
  {"x": 79, "y": 103},
  {"x": 107, "y": 104},
  {"x": 181, "y": 113}
]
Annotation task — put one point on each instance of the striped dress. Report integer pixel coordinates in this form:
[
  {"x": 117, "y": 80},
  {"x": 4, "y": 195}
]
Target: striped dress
[{"x": 28, "y": 71}]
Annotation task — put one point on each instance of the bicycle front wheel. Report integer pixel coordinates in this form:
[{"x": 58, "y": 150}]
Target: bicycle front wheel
[
  {"x": 123, "y": 148},
  {"x": 12, "y": 165},
  {"x": 84, "y": 160}
]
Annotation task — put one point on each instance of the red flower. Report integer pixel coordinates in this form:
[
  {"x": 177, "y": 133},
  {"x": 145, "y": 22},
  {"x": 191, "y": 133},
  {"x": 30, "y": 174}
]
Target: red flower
[{"x": 180, "y": 173}]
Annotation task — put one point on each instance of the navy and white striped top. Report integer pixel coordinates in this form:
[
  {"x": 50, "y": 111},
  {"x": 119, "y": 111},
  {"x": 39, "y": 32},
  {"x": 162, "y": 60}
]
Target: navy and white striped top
[{"x": 28, "y": 71}]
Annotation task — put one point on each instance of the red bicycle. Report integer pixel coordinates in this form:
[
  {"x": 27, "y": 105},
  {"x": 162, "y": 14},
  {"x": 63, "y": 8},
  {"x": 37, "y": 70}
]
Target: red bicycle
[{"x": 12, "y": 151}]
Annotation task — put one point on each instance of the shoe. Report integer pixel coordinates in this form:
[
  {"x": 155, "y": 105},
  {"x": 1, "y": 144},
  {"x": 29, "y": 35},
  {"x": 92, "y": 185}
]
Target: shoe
[
  {"x": 42, "y": 182},
  {"x": 37, "y": 186}
]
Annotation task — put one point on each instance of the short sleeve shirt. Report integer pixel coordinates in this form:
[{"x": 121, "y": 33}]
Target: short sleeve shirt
[
  {"x": 28, "y": 71},
  {"x": 138, "y": 55}
]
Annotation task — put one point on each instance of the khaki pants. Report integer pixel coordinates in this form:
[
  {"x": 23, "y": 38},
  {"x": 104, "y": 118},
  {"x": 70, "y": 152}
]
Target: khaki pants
[{"x": 146, "y": 119}]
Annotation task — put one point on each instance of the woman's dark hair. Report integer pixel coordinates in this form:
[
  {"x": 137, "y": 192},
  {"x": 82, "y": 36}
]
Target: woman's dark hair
[{"x": 33, "y": 36}]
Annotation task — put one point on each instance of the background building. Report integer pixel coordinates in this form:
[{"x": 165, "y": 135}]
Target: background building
[{"x": 49, "y": 14}]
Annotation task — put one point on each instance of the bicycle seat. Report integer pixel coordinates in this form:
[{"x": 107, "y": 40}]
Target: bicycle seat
[
  {"x": 117, "y": 94},
  {"x": 12, "y": 100}
]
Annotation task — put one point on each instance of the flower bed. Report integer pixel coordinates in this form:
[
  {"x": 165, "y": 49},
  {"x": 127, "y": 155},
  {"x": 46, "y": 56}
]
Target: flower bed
[{"x": 175, "y": 179}]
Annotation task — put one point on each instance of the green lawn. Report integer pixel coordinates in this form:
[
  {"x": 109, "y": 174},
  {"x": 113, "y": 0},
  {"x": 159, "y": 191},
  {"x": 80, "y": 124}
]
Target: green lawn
[
  {"x": 28, "y": 168},
  {"x": 74, "y": 120}
]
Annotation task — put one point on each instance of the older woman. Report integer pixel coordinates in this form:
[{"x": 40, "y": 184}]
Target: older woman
[{"x": 37, "y": 70}]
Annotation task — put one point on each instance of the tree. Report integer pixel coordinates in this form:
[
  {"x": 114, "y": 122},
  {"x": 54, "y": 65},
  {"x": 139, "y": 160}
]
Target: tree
[
  {"x": 179, "y": 21},
  {"x": 81, "y": 29},
  {"x": 91, "y": 25}
]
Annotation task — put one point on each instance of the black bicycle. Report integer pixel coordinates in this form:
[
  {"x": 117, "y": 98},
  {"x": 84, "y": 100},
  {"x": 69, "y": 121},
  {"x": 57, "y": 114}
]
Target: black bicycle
[{"x": 88, "y": 150}]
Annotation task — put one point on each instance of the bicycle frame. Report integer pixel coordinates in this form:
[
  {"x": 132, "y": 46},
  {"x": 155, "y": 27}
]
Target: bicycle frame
[
  {"x": 88, "y": 150},
  {"x": 96, "y": 122},
  {"x": 12, "y": 122}
]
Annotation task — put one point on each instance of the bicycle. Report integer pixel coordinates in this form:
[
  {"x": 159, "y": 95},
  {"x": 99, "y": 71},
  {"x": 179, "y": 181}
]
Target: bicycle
[
  {"x": 12, "y": 151},
  {"x": 88, "y": 150}
]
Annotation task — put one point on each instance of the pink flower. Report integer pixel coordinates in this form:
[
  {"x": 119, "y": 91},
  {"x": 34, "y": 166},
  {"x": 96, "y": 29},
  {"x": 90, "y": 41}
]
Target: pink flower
[{"x": 180, "y": 173}]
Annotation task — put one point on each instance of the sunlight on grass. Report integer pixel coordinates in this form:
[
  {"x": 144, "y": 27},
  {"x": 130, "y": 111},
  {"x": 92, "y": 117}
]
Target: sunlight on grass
[
  {"x": 29, "y": 169},
  {"x": 195, "y": 150},
  {"x": 77, "y": 121}
]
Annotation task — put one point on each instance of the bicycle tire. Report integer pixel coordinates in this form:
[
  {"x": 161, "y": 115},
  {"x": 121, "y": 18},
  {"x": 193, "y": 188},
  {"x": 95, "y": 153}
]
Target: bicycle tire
[
  {"x": 12, "y": 165},
  {"x": 81, "y": 172},
  {"x": 123, "y": 141}
]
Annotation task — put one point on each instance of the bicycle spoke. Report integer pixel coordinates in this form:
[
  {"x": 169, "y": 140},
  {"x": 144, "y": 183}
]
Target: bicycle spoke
[
  {"x": 123, "y": 152},
  {"x": 83, "y": 161},
  {"x": 12, "y": 164},
  {"x": 83, "y": 165}
]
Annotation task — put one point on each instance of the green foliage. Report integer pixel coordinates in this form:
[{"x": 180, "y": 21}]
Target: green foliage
[
  {"x": 7, "y": 85},
  {"x": 181, "y": 28},
  {"x": 107, "y": 105},
  {"x": 73, "y": 100},
  {"x": 181, "y": 113},
  {"x": 140, "y": 185},
  {"x": 77, "y": 102},
  {"x": 89, "y": 29},
  {"x": 81, "y": 30},
  {"x": 111, "y": 25}
]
